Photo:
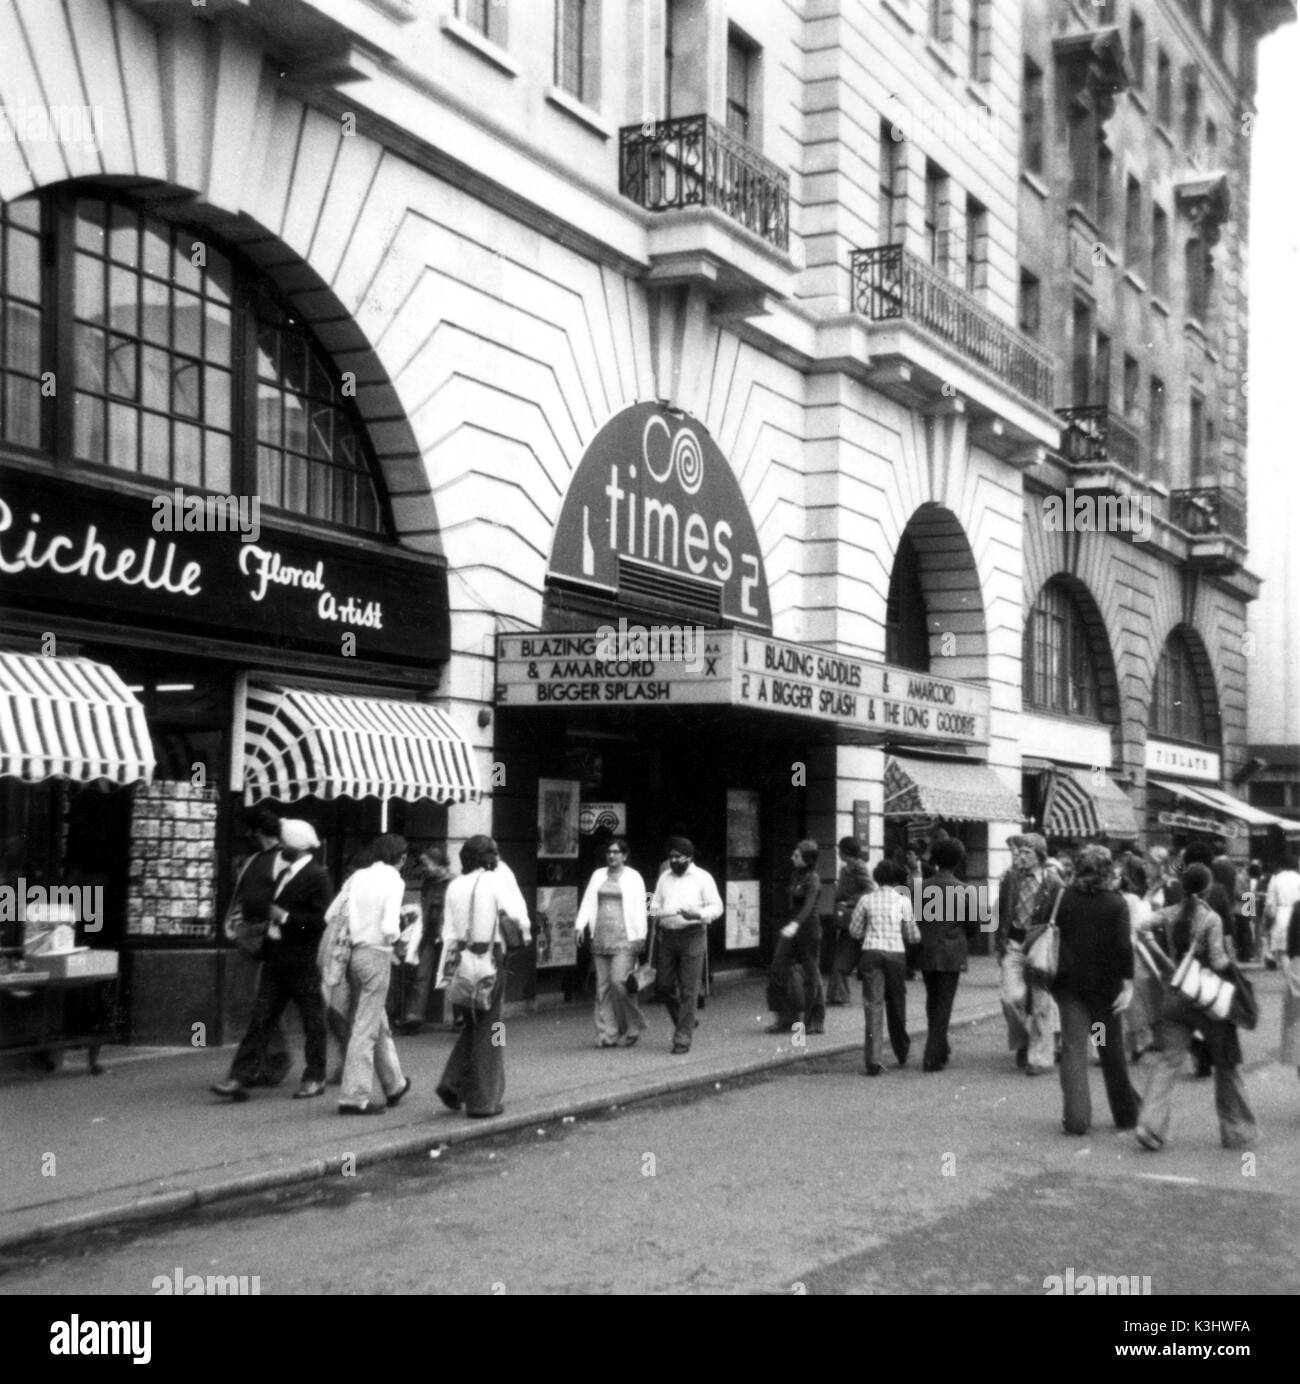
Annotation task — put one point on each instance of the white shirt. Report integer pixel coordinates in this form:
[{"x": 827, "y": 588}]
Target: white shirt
[
  {"x": 1283, "y": 895},
  {"x": 489, "y": 891},
  {"x": 693, "y": 889},
  {"x": 375, "y": 906}
]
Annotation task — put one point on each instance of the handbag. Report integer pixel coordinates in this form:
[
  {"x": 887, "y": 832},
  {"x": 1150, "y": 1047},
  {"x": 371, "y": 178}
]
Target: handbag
[
  {"x": 248, "y": 934},
  {"x": 1206, "y": 989},
  {"x": 336, "y": 945},
  {"x": 512, "y": 932},
  {"x": 642, "y": 977},
  {"x": 472, "y": 973},
  {"x": 1043, "y": 954}
]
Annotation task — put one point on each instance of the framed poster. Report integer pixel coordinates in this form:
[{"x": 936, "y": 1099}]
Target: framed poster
[
  {"x": 862, "y": 822},
  {"x": 742, "y": 914},
  {"x": 742, "y": 824},
  {"x": 557, "y": 943},
  {"x": 557, "y": 819}
]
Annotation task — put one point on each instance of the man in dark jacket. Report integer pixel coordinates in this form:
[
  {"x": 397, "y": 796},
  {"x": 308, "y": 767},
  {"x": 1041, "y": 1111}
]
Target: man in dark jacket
[
  {"x": 854, "y": 880},
  {"x": 301, "y": 894},
  {"x": 949, "y": 915}
]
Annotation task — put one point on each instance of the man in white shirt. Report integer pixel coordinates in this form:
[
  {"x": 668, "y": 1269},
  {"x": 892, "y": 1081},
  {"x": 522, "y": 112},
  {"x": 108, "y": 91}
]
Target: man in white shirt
[
  {"x": 685, "y": 903},
  {"x": 374, "y": 905},
  {"x": 1282, "y": 897}
]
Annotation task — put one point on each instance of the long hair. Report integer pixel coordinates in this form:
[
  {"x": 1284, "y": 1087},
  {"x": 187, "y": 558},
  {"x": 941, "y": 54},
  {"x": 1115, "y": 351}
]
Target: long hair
[
  {"x": 1196, "y": 879},
  {"x": 1094, "y": 870}
]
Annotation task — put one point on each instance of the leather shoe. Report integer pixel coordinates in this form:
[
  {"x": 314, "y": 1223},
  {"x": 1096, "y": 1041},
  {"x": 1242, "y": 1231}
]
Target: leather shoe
[
  {"x": 680, "y": 1048},
  {"x": 309, "y": 1089},
  {"x": 366, "y": 1109},
  {"x": 448, "y": 1098},
  {"x": 875, "y": 1069},
  {"x": 396, "y": 1097},
  {"x": 232, "y": 1090}
]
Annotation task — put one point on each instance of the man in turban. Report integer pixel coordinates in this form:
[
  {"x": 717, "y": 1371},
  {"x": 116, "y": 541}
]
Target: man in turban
[{"x": 685, "y": 902}]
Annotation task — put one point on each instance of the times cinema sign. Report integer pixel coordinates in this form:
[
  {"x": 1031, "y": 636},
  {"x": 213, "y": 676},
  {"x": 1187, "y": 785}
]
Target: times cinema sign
[{"x": 653, "y": 489}]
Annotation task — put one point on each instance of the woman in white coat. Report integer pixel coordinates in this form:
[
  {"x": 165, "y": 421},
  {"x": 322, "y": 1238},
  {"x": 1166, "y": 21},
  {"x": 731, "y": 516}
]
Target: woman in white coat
[{"x": 613, "y": 911}]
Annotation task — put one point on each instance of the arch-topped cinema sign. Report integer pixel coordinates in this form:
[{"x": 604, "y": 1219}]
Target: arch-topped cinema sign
[{"x": 654, "y": 491}]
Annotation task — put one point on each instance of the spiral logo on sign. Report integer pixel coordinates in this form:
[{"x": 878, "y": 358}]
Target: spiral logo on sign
[{"x": 689, "y": 460}]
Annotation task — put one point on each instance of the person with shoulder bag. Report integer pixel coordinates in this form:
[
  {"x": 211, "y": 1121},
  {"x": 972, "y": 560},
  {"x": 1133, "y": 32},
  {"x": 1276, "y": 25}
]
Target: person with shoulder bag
[
  {"x": 484, "y": 919},
  {"x": 1187, "y": 934}
]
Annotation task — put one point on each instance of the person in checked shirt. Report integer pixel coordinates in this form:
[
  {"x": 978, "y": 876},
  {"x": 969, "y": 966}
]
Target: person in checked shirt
[{"x": 883, "y": 920}]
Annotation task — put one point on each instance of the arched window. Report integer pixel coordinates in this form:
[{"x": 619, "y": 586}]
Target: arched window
[
  {"x": 1177, "y": 706},
  {"x": 187, "y": 367},
  {"x": 1060, "y": 671},
  {"x": 907, "y": 637}
]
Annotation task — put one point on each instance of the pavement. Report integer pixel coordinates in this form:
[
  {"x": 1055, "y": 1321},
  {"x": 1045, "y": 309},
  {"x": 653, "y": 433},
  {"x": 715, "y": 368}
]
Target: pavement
[{"x": 148, "y": 1140}]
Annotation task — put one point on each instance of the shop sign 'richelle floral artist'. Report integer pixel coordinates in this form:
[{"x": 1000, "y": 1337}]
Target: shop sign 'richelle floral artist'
[{"x": 73, "y": 549}]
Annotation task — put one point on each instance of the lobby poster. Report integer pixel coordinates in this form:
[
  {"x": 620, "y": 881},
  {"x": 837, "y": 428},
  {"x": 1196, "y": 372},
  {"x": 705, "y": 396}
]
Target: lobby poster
[
  {"x": 557, "y": 943},
  {"x": 557, "y": 819},
  {"x": 742, "y": 824},
  {"x": 742, "y": 914}
]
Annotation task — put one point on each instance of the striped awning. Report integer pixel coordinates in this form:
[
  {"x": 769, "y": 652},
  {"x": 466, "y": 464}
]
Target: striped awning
[
  {"x": 955, "y": 792},
  {"x": 300, "y": 744},
  {"x": 1226, "y": 803},
  {"x": 70, "y": 718},
  {"x": 1083, "y": 804}
]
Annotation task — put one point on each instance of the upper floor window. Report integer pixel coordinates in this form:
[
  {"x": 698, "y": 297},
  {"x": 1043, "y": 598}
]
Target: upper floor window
[
  {"x": 1060, "y": 668},
  {"x": 977, "y": 245},
  {"x": 1137, "y": 49},
  {"x": 1134, "y": 231},
  {"x": 488, "y": 17},
  {"x": 577, "y": 49},
  {"x": 1218, "y": 25},
  {"x": 22, "y": 283},
  {"x": 1132, "y": 384},
  {"x": 186, "y": 367},
  {"x": 1164, "y": 88},
  {"x": 1030, "y": 307},
  {"x": 1177, "y": 706},
  {"x": 1191, "y": 105},
  {"x": 936, "y": 216},
  {"x": 939, "y": 20},
  {"x": 1032, "y": 117},
  {"x": 892, "y": 204},
  {"x": 742, "y": 67},
  {"x": 980, "y": 40},
  {"x": 1156, "y": 437},
  {"x": 1160, "y": 251},
  {"x": 907, "y": 637},
  {"x": 1197, "y": 269}
]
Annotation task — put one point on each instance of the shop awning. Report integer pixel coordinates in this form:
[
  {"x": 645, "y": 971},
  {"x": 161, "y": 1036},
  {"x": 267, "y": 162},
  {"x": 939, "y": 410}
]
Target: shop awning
[
  {"x": 1078, "y": 806},
  {"x": 1226, "y": 803},
  {"x": 70, "y": 718},
  {"x": 300, "y": 744},
  {"x": 940, "y": 788}
]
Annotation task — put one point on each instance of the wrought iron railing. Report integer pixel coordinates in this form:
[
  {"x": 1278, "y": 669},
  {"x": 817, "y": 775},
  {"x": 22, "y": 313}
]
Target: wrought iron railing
[
  {"x": 891, "y": 282},
  {"x": 1092, "y": 434},
  {"x": 692, "y": 160},
  {"x": 1209, "y": 509}
]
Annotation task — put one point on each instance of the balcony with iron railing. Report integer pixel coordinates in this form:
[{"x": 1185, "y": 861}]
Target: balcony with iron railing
[
  {"x": 1094, "y": 435},
  {"x": 891, "y": 284},
  {"x": 1214, "y": 519},
  {"x": 693, "y": 161}
]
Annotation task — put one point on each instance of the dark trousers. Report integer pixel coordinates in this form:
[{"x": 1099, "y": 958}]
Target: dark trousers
[
  {"x": 794, "y": 1002},
  {"x": 845, "y": 951},
  {"x": 1079, "y": 1013},
  {"x": 475, "y": 1073},
  {"x": 284, "y": 978},
  {"x": 680, "y": 959},
  {"x": 884, "y": 1002},
  {"x": 940, "y": 991},
  {"x": 276, "y": 1059}
]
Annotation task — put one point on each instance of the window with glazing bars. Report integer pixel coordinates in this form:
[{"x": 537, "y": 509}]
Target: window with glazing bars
[
  {"x": 1032, "y": 118},
  {"x": 1177, "y": 711},
  {"x": 487, "y": 16},
  {"x": 1060, "y": 672},
  {"x": 740, "y": 76},
  {"x": 185, "y": 366},
  {"x": 22, "y": 283},
  {"x": 577, "y": 37}
]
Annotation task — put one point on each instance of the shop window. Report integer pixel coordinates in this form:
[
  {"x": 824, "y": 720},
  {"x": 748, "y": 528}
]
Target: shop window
[
  {"x": 156, "y": 333},
  {"x": 1177, "y": 704},
  {"x": 1060, "y": 668},
  {"x": 22, "y": 283}
]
